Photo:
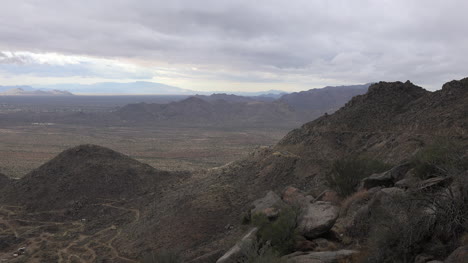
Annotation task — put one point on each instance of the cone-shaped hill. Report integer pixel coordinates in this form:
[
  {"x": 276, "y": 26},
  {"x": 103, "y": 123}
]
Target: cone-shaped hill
[{"x": 84, "y": 174}]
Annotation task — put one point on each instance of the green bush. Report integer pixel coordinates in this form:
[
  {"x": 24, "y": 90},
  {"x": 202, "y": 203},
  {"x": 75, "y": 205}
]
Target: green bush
[
  {"x": 261, "y": 254},
  {"x": 280, "y": 233},
  {"x": 162, "y": 256},
  {"x": 441, "y": 158},
  {"x": 347, "y": 173}
]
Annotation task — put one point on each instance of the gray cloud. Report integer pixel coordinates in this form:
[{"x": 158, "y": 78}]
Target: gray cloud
[{"x": 347, "y": 41}]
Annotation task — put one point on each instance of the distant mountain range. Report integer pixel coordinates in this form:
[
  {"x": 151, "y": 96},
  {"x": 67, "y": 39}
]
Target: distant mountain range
[
  {"x": 289, "y": 109},
  {"x": 134, "y": 88},
  {"x": 21, "y": 91},
  {"x": 23, "y": 87},
  {"x": 114, "y": 88},
  {"x": 221, "y": 109}
]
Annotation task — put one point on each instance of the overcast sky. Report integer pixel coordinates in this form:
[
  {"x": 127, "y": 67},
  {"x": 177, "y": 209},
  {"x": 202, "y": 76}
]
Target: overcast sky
[{"x": 234, "y": 45}]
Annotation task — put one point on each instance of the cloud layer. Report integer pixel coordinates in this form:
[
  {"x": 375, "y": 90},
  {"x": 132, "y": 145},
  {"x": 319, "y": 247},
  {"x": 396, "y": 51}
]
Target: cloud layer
[{"x": 293, "y": 44}]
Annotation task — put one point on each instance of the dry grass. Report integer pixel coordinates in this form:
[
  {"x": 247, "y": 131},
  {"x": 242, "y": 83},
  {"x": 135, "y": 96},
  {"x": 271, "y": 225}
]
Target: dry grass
[{"x": 360, "y": 196}]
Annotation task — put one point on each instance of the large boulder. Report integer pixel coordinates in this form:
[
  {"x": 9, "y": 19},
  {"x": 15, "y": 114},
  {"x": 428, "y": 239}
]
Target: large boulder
[
  {"x": 294, "y": 197},
  {"x": 317, "y": 219},
  {"x": 270, "y": 205},
  {"x": 235, "y": 254},
  {"x": 320, "y": 257},
  {"x": 386, "y": 179},
  {"x": 460, "y": 255}
]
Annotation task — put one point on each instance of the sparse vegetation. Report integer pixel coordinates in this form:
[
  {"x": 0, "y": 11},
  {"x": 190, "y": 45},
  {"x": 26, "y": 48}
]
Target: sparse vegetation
[
  {"x": 280, "y": 233},
  {"x": 258, "y": 253},
  {"x": 347, "y": 173},
  {"x": 441, "y": 158},
  {"x": 397, "y": 232}
]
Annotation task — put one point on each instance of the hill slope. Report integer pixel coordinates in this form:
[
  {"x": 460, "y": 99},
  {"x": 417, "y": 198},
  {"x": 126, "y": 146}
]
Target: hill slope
[{"x": 84, "y": 174}]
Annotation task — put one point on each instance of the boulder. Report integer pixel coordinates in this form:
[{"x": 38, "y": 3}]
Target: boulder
[
  {"x": 317, "y": 219},
  {"x": 460, "y": 255},
  {"x": 294, "y": 197},
  {"x": 320, "y": 257},
  {"x": 270, "y": 205},
  {"x": 329, "y": 196},
  {"x": 408, "y": 182},
  {"x": 434, "y": 182},
  {"x": 386, "y": 179},
  {"x": 235, "y": 254}
]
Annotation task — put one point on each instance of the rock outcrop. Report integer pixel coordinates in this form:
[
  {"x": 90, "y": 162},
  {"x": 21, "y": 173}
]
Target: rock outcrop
[{"x": 317, "y": 218}]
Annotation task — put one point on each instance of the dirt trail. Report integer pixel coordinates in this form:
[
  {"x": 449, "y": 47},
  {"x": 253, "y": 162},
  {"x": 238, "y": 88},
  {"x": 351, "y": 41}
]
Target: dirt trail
[
  {"x": 66, "y": 249},
  {"x": 6, "y": 221}
]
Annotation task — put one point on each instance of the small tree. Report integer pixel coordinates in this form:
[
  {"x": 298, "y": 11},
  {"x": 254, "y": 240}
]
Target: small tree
[{"x": 347, "y": 173}]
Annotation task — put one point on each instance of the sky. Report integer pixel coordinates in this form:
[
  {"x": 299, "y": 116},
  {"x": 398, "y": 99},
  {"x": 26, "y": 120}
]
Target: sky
[{"x": 236, "y": 45}]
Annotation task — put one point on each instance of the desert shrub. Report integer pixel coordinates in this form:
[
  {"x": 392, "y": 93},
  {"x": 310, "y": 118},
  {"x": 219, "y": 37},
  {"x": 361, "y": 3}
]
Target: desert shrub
[
  {"x": 450, "y": 207},
  {"x": 347, "y": 173},
  {"x": 162, "y": 256},
  {"x": 256, "y": 253},
  {"x": 280, "y": 233},
  {"x": 358, "y": 197},
  {"x": 398, "y": 233},
  {"x": 441, "y": 158},
  {"x": 420, "y": 220}
]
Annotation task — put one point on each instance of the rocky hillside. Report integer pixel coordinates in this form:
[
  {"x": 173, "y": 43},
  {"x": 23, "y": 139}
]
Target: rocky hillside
[{"x": 383, "y": 179}]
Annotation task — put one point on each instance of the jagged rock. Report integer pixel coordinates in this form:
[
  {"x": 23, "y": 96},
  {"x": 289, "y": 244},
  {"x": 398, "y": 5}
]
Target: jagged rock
[
  {"x": 294, "y": 197},
  {"x": 234, "y": 254},
  {"x": 317, "y": 219},
  {"x": 270, "y": 205},
  {"x": 434, "y": 182},
  {"x": 320, "y": 257},
  {"x": 408, "y": 182},
  {"x": 386, "y": 179},
  {"x": 460, "y": 255}
]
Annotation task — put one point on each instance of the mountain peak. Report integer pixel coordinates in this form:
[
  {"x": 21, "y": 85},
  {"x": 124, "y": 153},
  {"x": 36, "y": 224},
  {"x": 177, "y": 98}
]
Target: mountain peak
[
  {"x": 456, "y": 86},
  {"x": 395, "y": 88}
]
